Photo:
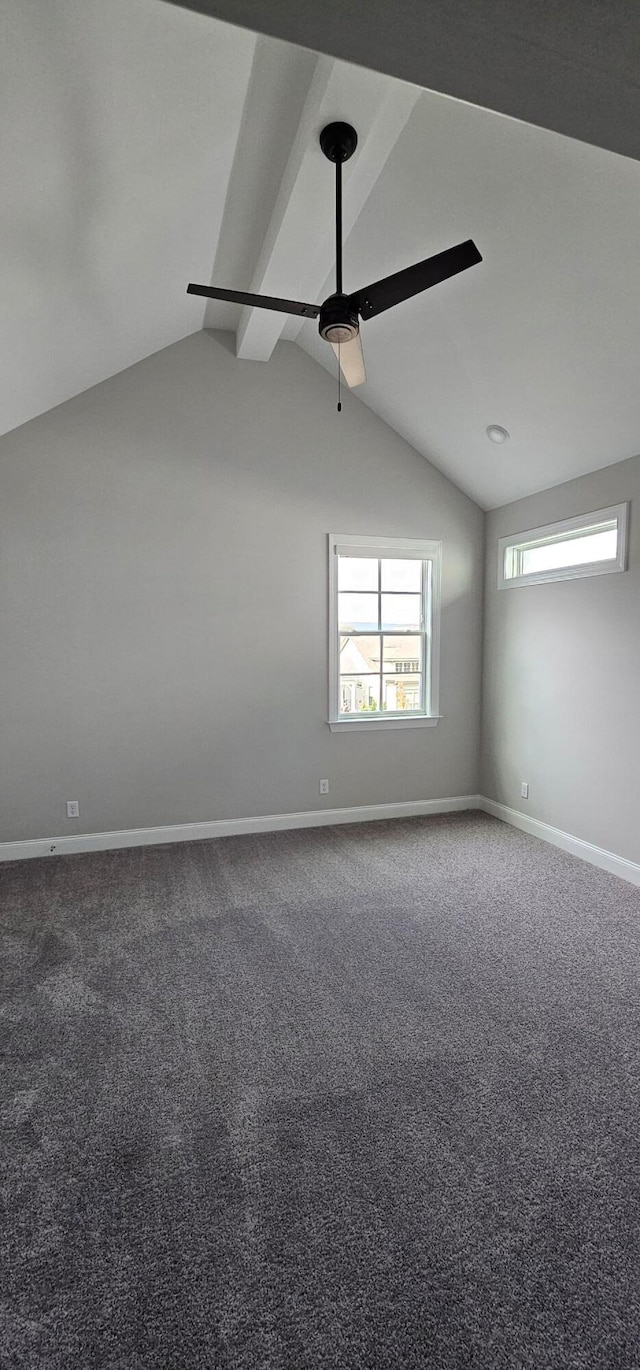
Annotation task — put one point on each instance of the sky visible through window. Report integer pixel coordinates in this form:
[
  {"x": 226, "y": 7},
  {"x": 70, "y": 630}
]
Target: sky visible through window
[{"x": 570, "y": 551}]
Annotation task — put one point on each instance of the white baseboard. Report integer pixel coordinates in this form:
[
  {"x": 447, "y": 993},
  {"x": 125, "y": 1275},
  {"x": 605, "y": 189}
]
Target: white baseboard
[
  {"x": 597, "y": 856},
  {"x": 315, "y": 818},
  {"x": 229, "y": 827}
]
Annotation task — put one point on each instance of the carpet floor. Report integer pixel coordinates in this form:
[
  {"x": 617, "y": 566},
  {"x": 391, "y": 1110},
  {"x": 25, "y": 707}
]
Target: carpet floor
[{"x": 348, "y": 1098}]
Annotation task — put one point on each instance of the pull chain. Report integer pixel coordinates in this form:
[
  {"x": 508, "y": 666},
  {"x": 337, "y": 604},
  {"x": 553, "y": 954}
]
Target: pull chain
[{"x": 339, "y": 379}]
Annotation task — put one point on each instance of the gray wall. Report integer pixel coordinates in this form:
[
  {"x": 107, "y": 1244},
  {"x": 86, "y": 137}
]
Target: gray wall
[
  {"x": 561, "y": 694},
  {"x": 163, "y": 598}
]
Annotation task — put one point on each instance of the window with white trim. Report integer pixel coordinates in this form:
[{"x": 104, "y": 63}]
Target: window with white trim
[
  {"x": 384, "y": 618},
  {"x": 588, "y": 545}
]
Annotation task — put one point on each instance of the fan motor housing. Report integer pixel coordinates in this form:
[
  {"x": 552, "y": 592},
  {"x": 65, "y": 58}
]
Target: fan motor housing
[{"x": 338, "y": 321}]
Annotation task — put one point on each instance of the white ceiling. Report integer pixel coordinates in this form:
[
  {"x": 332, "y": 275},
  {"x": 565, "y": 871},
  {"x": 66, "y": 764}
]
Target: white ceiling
[
  {"x": 144, "y": 146},
  {"x": 569, "y": 66},
  {"x": 118, "y": 127}
]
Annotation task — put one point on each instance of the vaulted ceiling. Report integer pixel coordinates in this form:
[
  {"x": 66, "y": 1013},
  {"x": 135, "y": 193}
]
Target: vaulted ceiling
[{"x": 144, "y": 145}]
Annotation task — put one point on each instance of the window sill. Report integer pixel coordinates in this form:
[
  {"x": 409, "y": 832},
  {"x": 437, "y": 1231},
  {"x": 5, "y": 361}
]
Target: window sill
[
  {"x": 362, "y": 725},
  {"x": 596, "y": 568}
]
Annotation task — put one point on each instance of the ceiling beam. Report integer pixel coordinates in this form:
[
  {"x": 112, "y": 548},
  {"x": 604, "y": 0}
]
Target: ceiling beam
[
  {"x": 299, "y": 247},
  {"x": 276, "y": 94},
  {"x": 570, "y": 66}
]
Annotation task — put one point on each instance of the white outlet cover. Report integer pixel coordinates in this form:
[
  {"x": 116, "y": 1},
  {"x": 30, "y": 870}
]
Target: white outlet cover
[
  {"x": 73, "y": 808},
  {"x": 524, "y": 789}
]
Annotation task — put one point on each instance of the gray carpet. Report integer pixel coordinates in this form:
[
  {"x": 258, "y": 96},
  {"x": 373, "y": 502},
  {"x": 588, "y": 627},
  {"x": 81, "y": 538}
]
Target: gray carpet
[{"x": 348, "y": 1098}]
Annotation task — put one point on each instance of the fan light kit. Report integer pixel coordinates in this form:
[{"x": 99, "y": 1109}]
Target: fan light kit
[
  {"x": 339, "y": 315},
  {"x": 497, "y": 433}
]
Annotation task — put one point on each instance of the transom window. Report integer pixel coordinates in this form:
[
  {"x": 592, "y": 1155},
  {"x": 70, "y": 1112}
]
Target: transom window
[
  {"x": 384, "y": 631},
  {"x": 588, "y": 545}
]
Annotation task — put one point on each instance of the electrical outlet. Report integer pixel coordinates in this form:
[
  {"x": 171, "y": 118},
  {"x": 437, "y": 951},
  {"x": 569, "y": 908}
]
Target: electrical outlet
[
  {"x": 73, "y": 808},
  {"x": 524, "y": 789},
  {"x": 324, "y": 787}
]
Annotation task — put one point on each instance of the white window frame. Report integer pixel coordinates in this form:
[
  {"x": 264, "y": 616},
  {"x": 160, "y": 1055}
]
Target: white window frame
[
  {"x": 582, "y": 524},
  {"x": 427, "y": 550}
]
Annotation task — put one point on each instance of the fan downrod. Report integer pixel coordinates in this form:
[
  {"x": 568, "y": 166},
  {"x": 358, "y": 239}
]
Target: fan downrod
[{"x": 338, "y": 141}]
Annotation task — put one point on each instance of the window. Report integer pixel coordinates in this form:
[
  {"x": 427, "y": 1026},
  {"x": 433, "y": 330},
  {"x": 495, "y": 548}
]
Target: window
[
  {"x": 589, "y": 545},
  {"x": 384, "y": 632}
]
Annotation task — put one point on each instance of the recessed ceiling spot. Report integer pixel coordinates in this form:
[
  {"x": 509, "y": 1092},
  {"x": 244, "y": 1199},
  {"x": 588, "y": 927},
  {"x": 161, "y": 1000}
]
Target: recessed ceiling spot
[{"x": 496, "y": 433}]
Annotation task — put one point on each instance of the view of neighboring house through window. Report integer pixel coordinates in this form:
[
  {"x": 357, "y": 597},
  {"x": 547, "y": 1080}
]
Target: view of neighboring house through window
[{"x": 383, "y": 612}]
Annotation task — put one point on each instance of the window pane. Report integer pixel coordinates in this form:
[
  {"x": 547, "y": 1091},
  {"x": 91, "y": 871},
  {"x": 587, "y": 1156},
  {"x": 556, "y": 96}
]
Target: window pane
[
  {"x": 402, "y": 692},
  {"x": 401, "y": 575},
  {"x": 359, "y": 654},
  {"x": 402, "y": 611},
  {"x": 359, "y": 694},
  {"x": 570, "y": 551},
  {"x": 357, "y": 611},
  {"x": 357, "y": 573},
  {"x": 401, "y": 654}
]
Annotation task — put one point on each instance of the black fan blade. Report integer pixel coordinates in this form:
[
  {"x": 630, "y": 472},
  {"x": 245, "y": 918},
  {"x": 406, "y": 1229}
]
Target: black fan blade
[
  {"x": 394, "y": 289},
  {"x": 309, "y": 311}
]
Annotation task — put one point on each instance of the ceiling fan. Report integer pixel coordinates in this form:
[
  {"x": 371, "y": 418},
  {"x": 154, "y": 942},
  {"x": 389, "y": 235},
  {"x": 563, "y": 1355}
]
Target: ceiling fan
[{"x": 340, "y": 313}]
